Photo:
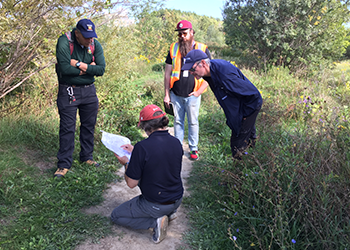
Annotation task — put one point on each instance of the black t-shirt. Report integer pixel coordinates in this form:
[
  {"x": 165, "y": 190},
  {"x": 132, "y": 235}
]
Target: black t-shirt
[
  {"x": 157, "y": 162},
  {"x": 185, "y": 85}
]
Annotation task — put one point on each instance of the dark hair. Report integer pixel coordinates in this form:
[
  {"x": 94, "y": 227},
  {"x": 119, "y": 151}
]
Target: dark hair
[{"x": 153, "y": 125}]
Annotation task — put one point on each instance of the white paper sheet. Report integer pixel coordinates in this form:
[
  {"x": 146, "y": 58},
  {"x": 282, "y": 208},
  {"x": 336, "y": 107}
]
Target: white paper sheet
[{"x": 113, "y": 143}]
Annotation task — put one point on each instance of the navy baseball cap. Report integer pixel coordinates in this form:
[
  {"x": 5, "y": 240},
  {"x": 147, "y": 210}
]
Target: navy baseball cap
[
  {"x": 192, "y": 57},
  {"x": 87, "y": 28}
]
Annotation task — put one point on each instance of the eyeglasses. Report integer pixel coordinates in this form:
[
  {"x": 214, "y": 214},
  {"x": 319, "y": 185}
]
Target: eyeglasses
[
  {"x": 193, "y": 69},
  {"x": 182, "y": 34}
]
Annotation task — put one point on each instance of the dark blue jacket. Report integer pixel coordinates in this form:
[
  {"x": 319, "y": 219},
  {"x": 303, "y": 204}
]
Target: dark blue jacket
[{"x": 237, "y": 96}]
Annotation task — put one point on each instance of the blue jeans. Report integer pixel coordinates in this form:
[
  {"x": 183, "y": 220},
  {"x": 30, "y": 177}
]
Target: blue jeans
[
  {"x": 139, "y": 213},
  {"x": 189, "y": 105}
]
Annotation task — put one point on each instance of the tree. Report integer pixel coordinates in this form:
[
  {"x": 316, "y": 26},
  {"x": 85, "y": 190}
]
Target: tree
[
  {"x": 290, "y": 33},
  {"x": 29, "y": 30},
  {"x": 156, "y": 29}
]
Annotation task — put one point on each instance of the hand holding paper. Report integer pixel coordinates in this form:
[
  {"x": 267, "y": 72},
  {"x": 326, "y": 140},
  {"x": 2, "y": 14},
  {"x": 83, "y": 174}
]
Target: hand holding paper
[
  {"x": 122, "y": 159},
  {"x": 115, "y": 142},
  {"x": 127, "y": 147}
]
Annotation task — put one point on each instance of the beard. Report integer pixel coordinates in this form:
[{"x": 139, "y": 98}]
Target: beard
[{"x": 185, "y": 46}]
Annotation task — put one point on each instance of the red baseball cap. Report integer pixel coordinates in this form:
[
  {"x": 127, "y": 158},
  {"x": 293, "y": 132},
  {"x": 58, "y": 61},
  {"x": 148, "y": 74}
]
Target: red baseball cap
[
  {"x": 147, "y": 113},
  {"x": 183, "y": 25}
]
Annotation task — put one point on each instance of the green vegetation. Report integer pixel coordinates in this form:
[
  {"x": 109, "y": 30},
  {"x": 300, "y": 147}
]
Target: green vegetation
[
  {"x": 292, "y": 33},
  {"x": 290, "y": 192}
]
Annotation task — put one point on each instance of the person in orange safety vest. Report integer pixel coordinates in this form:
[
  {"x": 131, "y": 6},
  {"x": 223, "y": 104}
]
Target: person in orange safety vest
[{"x": 182, "y": 89}]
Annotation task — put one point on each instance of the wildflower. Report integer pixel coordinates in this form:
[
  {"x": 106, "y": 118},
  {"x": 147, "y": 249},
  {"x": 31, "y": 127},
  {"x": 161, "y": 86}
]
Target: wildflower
[
  {"x": 245, "y": 153},
  {"x": 235, "y": 213},
  {"x": 252, "y": 245},
  {"x": 256, "y": 172},
  {"x": 321, "y": 120},
  {"x": 222, "y": 171},
  {"x": 294, "y": 241},
  {"x": 234, "y": 238},
  {"x": 237, "y": 230}
]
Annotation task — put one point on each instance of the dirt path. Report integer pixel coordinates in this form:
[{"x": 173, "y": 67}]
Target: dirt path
[{"x": 125, "y": 238}]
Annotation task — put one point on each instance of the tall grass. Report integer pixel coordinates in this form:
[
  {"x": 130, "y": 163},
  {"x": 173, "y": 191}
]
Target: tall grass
[{"x": 292, "y": 190}]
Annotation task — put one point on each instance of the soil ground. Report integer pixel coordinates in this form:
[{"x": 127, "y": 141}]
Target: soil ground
[{"x": 126, "y": 238}]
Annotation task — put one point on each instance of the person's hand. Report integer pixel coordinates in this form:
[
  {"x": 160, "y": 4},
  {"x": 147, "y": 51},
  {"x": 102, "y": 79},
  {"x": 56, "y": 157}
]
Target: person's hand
[
  {"x": 167, "y": 100},
  {"x": 127, "y": 147},
  {"x": 73, "y": 62},
  {"x": 195, "y": 93},
  {"x": 93, "y": 63},
  {"x": 122, "y": 159}
]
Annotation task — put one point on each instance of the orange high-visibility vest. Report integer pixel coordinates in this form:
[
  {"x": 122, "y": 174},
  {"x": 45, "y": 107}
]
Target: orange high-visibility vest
[{"x": 176, "y": 64}]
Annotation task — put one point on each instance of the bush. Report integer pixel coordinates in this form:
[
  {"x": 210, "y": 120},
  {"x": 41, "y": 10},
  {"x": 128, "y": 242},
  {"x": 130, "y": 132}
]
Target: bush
[{"x": 291, "y": 190}]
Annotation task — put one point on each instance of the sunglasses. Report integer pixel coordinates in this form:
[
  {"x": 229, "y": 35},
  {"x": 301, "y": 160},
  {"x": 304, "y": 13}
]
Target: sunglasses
[
  {"x": 180, "y": 34},
  {"x": 193, "y": 69}
]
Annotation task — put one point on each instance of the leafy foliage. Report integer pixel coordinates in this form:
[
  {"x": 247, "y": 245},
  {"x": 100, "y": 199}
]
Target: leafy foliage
[
  {"x": 29, "y": 31},
  {"x": 291, "y": 191},
  {"x": 287, "y": 33},
  {"x": 156, "y": 30}
]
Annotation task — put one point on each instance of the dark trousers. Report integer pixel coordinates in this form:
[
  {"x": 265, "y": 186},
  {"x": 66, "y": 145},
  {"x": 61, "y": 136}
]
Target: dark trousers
[
  {"x": 139, "y": 213},
  {"x": 87, "y": 102},
  {"x": 246, "y": 136}
]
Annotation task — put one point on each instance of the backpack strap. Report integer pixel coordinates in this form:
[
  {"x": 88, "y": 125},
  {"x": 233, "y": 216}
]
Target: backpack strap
[
  {"x": 71, "y": 42},
  {"x": 92, "y": 49}
]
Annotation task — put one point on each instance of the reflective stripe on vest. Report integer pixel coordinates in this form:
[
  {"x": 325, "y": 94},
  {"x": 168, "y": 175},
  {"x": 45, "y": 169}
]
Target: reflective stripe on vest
[
  {"x": 175, "y": 73},
  {"x": 176, "y": 64}
]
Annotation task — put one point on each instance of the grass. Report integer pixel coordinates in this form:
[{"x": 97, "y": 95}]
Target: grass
[
  {"x": 37, "y": 211},
  {"x": 290, "y": 192}
]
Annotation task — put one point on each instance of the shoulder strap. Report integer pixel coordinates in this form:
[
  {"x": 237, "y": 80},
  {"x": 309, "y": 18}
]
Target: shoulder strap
[
  {"x": 92, "y": 49},
  {"x": 71, "y": 42}
]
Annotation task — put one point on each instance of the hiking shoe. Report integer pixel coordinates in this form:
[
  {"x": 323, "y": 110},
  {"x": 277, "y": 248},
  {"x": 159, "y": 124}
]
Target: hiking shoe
[
  {"x": 159, "y": 232},
  {"x": 194, "y": 155},
  {"x": 60, "y": 172},
  {"x": 172, "y": 216},
  {"x": 92, "y": 162}
]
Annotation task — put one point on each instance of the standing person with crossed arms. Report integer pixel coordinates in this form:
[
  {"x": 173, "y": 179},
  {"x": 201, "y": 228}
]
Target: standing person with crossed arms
[
  {"x": 182, "y": 89},
  {"x": 79, "y": 59}
]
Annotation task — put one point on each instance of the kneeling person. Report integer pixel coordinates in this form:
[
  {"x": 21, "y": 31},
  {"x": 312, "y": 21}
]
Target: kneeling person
[{"x": 155, "y": 166}]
